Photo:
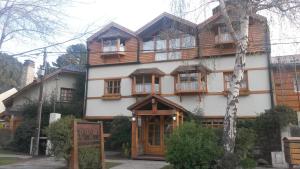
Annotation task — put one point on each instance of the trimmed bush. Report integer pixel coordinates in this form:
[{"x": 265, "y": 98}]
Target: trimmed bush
[
  {"x": 121, "y": 134},
  {"x": 89, "y": 158},
  {"x": 22, "y": 136},
  {"x": 268, "y": 129},
  {"x": 191, "y": 146}
]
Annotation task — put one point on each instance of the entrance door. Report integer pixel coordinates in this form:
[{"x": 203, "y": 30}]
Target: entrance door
[{"x": 154, "y": 135}]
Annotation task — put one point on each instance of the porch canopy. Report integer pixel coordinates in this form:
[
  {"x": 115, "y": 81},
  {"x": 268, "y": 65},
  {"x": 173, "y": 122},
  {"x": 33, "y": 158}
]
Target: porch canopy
[
  {"x": 147, "y": 71},
  {"x": 154, "y": 117}
]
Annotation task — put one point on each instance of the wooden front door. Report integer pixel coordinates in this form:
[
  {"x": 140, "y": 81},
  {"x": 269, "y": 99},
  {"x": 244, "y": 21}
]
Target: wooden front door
[
  {"x": 156, "y": 128},
  {"x": 154, "y": 135}
]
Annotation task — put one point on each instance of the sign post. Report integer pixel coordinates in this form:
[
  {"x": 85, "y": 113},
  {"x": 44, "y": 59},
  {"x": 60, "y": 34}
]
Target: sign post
[{"x": 87, "y": 134}]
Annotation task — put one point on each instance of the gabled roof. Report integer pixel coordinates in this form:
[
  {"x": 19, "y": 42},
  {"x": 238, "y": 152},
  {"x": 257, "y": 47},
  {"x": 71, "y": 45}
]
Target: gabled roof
[
  {"x": 155, "y": 71},
  {"x": 108, "y": 27},
  {"x": 159, "y": 99},
  {"x": 218, "y": 15},
  {"x": 168, "y": 16},
  {"x": 190, "y": 68},
  {"x": 74, "y": 69}
]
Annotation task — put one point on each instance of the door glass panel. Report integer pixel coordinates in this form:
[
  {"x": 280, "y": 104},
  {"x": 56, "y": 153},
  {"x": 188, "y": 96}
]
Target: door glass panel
[
  {"x": 154, "y": 132},
  {"x": 168, "y": 126}
]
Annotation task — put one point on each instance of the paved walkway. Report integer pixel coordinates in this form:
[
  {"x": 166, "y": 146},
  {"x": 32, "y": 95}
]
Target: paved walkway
[
  {"x": 138, "y": 164},
  {"x": 51, "y": 163},
  {"x": 37, "y": 163}
]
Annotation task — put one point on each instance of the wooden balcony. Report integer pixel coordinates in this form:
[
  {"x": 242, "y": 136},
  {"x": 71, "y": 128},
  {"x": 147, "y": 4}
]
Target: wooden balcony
[
  {"x": 145, "y": 89},
  {"x": 112, "y": 51}
]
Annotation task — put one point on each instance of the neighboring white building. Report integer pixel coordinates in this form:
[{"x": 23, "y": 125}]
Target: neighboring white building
[
  {"x": 171, "y": 67},
  {"x": 58, "y": 86}
]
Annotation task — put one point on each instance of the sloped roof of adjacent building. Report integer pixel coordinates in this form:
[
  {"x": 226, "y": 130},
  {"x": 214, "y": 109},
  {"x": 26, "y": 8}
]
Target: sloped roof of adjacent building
[
  {"x": 73, "y": 69},
  {"x": 286, "y": 59},
  {"x": 4, "y": 96}
]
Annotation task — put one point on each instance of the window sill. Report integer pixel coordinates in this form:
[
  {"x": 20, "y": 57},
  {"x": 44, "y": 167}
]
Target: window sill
[
  {"x": 113, "y": 53},
  {"x": 111, "y": 97},
  {"x": 144, "y": 94},
  {"x": 190, "y": 92},
  {"x": 244, "y": 92}
]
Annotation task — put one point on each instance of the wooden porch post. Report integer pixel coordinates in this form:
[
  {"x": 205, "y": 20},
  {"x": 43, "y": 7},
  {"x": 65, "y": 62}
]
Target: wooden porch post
[{"x": 134, "y": 142}]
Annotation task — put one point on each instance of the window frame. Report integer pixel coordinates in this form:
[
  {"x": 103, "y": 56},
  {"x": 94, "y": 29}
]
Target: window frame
[
  {"x": 106, "y": 85},
  {"x": 66, "y": 96},
  {"x": 295, "y": 83},
  {"x": 118, "y": 46},
  {"x": 199, "y": 75},
  {"x": 168, "y": 48},
  {"x": 153, "y": 87},
  {"x": 226, "y": 88}
]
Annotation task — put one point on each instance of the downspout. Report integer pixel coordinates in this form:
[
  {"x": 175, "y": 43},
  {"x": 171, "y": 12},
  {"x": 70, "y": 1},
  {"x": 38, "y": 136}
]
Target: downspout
[
  {"x": 86, "y": 79},
  {"x": 268, "y": 50}
]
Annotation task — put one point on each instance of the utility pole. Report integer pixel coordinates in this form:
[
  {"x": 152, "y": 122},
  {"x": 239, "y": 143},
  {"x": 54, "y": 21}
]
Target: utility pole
[{"x": 40, "y": 103}]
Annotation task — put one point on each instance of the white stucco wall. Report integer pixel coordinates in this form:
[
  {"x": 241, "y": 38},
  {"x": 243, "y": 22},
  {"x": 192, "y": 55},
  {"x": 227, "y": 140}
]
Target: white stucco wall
[
  {"x": 52, "y": 87},
  {"x": 213, "y": 104}
]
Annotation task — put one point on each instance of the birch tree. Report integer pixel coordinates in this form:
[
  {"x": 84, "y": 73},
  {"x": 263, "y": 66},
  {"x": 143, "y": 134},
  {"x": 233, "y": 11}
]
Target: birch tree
[
  {"x": 30, "y": 19},
  {"x": 244, "y": 9}
]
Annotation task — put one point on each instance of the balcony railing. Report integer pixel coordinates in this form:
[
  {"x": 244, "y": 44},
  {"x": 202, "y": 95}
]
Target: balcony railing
[
  {"x": 146, "y": 88},
  {"x": 113, "y": 50},
  {"x": 223, "y": 38},
  {"x": 189, "y": 87}
]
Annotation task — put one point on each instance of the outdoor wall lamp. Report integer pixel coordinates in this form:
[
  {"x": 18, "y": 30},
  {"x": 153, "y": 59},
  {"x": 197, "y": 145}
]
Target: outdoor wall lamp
[
  {"x": 174, "y": 117},
  {"x": 133, "y": 118}
]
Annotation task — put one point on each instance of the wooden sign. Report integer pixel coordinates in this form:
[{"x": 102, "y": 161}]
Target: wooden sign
[{"x": 87, "y": 134}]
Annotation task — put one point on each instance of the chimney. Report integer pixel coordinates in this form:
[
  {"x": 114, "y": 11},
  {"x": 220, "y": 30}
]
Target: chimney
[{"x": 27, "y": 73}]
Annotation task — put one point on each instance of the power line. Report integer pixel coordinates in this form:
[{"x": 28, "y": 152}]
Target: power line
[{"x": 159, "y": 51}]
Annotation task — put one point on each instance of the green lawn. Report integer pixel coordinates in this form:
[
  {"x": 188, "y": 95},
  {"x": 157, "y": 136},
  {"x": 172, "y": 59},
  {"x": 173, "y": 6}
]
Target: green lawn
[
  {"x": 111, "y": 164},
  {"x": 8, "y": 160}
]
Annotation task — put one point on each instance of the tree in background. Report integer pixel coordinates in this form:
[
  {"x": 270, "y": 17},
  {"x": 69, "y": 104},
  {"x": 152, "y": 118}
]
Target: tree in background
[
  {"x": 10, "y": 71},
  {"x": 21, "y": 19},
  {"x": 243, "y": 10},
  {"x": 75, "y": 54}
]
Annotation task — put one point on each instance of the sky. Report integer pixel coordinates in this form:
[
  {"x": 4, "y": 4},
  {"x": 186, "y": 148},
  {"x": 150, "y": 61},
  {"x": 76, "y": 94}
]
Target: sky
[{"x": 91, "y": 15}]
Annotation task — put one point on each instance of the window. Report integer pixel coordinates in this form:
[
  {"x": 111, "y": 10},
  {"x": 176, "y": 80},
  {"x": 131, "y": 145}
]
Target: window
[
  {"x": 174, "y": 43},
  {"x": 188, "y": 41},
  {"x": 161, "y": 56},
  {"x": 227, "y": 78},
  {"x": 112, "y": 87},
  {"x": 190, "y": 82},
  {"x": 213, "y": 123},
  {"x": 148, "y": 45},
  {"x": 161, "y": 44},
  {"x": 296, "y": 82},
  {"x": 66, "y": 94},
  {"x": 143, "y": 84},
  {"x": 109, "y": 45},
  {"x": 113, "y": 45}
]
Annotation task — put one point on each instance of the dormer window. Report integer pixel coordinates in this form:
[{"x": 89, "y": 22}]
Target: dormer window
[
  {"x": 146, "y": 81},
  {"x": 190, "y": 79},
  {"x": 113, "y": 46}
]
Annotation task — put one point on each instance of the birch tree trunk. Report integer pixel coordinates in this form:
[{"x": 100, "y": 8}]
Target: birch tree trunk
[{"x": 241, "y": 39}]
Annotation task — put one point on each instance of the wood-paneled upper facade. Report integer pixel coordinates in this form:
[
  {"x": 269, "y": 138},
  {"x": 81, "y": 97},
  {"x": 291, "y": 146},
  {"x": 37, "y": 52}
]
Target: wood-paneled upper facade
[{"x": 168, "y": 37}]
